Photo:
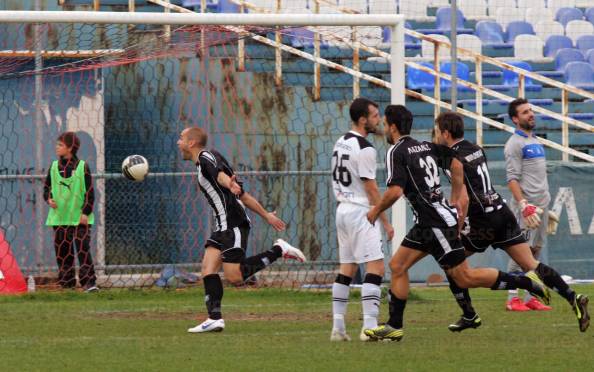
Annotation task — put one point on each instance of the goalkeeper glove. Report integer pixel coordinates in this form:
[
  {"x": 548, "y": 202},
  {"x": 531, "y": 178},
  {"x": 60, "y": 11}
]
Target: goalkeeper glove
[
  {"x": 530, "y": 214},
  {"x": 553, "y": 223}
]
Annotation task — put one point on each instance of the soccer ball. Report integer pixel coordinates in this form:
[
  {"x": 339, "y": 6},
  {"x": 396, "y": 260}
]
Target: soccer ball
[{"x": 135, "y": 167}]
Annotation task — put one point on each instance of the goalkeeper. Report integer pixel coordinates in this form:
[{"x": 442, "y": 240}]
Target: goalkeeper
[{"x": 526, "y": 171}]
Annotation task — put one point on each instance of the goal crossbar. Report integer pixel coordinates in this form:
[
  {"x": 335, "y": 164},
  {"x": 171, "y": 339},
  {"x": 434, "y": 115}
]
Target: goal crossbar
[{"x": 22, "y": 16}]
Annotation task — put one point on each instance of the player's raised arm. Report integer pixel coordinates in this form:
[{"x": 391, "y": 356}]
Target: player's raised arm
[{"x": 270, "y": 217}]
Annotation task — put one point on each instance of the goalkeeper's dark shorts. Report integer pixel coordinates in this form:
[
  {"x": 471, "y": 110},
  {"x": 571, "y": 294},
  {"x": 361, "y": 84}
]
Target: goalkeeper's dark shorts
[
  {"x": 232, "y": 243},
  {"x": 498, "y": 229}
]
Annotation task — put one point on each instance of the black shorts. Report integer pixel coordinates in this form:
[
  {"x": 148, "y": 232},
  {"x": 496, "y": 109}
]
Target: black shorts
[
  {"x": 443, "y": 244},
  {"x": 232, "y": 243},
  {"x": 498, "y": 229}
]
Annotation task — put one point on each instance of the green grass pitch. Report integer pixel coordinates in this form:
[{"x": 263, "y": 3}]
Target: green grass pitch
[{"x": 276, "y": 330}]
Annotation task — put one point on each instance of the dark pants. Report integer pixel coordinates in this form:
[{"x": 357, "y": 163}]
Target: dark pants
[{"x": 66, "y": 238}]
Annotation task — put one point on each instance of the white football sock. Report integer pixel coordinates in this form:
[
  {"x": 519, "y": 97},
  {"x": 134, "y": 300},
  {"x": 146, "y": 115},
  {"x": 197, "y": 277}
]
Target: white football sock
[
  {"x": 340, "y": 299},
  {"x": 370, "y": 301}
]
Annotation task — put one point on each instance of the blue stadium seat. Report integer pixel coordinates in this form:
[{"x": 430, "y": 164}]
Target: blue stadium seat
[
  {"x": 417, "y": 79},
  {"x": 462, "y": 72},
  {"x": 409, "y": 41},
  {"x": 566, "y": 55},
  {"x": 565, "y": 15},
  {"x": 580, "y": 74},
  {"x": 589, "y": 14},
  {"x": 443, "y": 21},
  {"x": 510, "y": 78},
  {"x": 303, "y": 38},
  {"x": 516, "y": 28},
  {"x": 227, "y": 6},
  {"x": 490, "y": 33},
  {"x": 556, "y": 42},
  {"x": 585, "y": 42}
]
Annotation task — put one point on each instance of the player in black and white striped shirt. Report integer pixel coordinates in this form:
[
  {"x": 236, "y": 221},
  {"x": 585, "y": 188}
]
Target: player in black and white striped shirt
[
  {"x": 413, "y": 171},
  {"x": 227, "y": 245}
]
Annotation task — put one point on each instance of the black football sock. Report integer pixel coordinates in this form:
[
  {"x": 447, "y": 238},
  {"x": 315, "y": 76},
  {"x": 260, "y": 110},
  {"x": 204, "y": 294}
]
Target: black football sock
[
  {"x": 253, "y": 264},
  {"x": 213, "y": 288},
  {"x": 552, "y": 279},
  {"x": 507, "y": 281},
  {"x": 463, "y": 299},
  {"x": 396, "y": 311}
]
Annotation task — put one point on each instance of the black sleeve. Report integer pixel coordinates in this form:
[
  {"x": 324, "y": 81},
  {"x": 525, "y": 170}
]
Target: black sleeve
[
  {"x": 90, "y": 195},
  {"x": 396, "y": 166},
  {"x": 47, "y": 186}
]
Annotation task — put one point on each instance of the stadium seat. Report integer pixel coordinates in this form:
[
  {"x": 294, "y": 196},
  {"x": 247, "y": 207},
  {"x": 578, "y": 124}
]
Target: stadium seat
[
  {"x": 526, "y": 4},
  {"x": 516, "y": 28},
  {"x": 443, "y": 21},
  {"x": 585, "y": 42},
  {"x": 383, "y": 7},
  {"x": 580, "y": 74},
  {"x": 427, "y": 48},
  {"x": 555, "y": 5},
  {"x": 510, "y": 78},
  {"x": 556, "y": 42},
  {"x": 567, "y": 55},
  {"x": 494, "y": 5},
  {"x": 589, "y": 14},
  {"x": 566, "y": 15},
  {"x": 473, "y": 9},
  {"x": 470, "y": 42},
  {"x": 544, "y": 29},
  {"x": 417, "y": 79},
  {"x": 528, "y": 47},
  {"x": 535, "y": 15},
  {"x": 575, "y": 29},
  {"x": 358, "y": 5},
  {"x": 462, "y": 73},
  {"x": 227, "y": 6},
  {"x": 490, "y": 33},
  {"x": 409, "y": 41},
  {"x": 505, "y": 16},
  {"x": 301, "y": 37}
]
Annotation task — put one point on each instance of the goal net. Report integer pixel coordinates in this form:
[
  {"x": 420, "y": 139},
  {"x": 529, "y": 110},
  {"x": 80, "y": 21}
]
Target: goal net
[{"x": 129, "y": 87}]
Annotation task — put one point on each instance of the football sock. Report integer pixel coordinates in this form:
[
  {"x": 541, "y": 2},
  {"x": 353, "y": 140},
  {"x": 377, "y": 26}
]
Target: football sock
[
  {"x": 370, "y": 300},
  {"x": 512, "y": 293},
  {"x": 253, "y": 264},
  {"x": 553, "y": 280},
  {"x": 396, "y": 311},
  {"x": 462, "y": 297},
  {"x": 213, "y": 288},
  {"x": 508, "y": 281},
  {"x": 340, "y": 300}
]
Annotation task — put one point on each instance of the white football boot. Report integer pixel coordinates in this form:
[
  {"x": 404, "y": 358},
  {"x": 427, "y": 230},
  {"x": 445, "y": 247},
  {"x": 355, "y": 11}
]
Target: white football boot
[
  {"x": 337, "y": 335},
  {"x": 290, "y": 252},
  {"x": 209, "y": 325}
]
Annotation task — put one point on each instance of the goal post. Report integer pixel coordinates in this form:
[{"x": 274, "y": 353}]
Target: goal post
[{"x": 191, "y": 101}]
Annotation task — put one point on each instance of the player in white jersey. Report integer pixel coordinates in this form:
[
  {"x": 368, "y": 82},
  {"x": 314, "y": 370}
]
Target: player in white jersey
[{"x": 353, "y": 181}]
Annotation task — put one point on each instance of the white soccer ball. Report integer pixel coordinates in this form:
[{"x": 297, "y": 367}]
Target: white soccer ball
[{"x": 135, "y": 167}]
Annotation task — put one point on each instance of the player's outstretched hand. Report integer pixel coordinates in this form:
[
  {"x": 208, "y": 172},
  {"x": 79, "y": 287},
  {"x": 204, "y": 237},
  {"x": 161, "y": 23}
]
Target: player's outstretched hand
[
  {"x": 389, "y": 231},
  {"x": 234, "y": 187},
  {"x": 274, "y": 221}
]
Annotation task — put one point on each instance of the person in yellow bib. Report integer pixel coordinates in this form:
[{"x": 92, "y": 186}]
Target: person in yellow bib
[{"x": 69, "y": 192}]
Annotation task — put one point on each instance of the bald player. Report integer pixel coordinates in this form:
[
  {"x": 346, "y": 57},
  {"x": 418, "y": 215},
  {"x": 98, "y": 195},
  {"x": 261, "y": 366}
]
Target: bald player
[{"x": 227, "y": 245}]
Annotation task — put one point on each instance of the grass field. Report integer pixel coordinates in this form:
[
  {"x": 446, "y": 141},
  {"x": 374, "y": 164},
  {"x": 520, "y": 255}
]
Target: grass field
[{"x": 271, "y": 329}]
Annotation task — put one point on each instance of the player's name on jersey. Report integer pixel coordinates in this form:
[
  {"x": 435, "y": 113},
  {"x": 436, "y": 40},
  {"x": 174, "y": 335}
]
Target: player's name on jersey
[
  {"x": 475, "y": 155},
  {"x": 343, "y": 146},
  {"x": 418, "y": 148}
]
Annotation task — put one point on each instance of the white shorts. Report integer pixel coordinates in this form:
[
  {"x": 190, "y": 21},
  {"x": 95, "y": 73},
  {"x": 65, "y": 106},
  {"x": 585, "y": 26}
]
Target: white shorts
[{"x": 358, "y": 240}]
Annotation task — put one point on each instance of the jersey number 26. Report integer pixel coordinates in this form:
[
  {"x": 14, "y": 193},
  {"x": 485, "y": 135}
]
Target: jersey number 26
[{"x": 340, "y": 173}]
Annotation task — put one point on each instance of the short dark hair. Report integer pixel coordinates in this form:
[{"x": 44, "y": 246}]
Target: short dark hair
[
  {"x": 360, "y": 108},
  {"x": 70, "y": 139},
  {"x": 399, "y": 116},
  {"x": 452, "y": 122},
  {"x": 512, "y": 109}
]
